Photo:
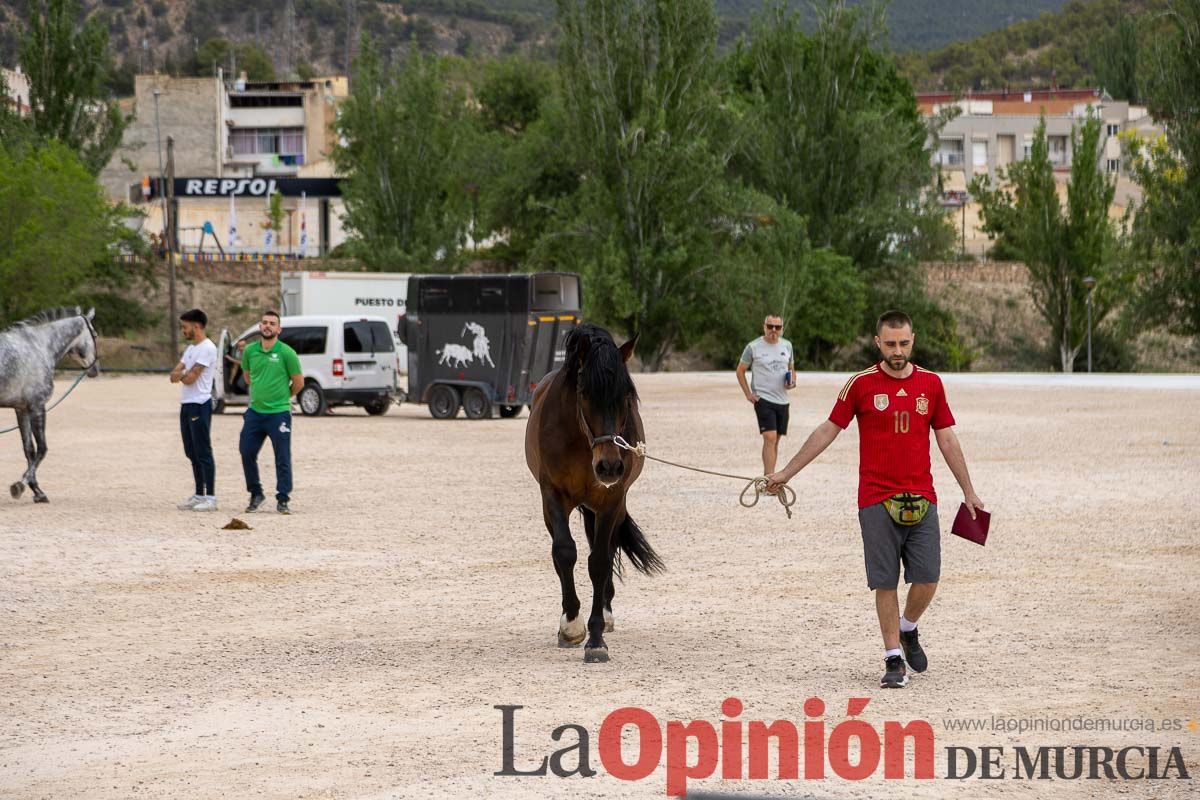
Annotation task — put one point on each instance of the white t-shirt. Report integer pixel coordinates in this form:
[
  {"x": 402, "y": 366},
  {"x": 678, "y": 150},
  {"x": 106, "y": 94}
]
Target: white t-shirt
[
  {"x": 201, "y": 391},
  {"x": 768, "y": 365}
]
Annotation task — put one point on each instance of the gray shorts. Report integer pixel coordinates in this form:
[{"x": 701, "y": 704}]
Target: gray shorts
[{"x": 886, "y": 544}]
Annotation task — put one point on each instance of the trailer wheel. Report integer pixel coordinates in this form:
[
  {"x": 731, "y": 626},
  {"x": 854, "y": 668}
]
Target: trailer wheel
[
  {"x": 508, "y": 412},
  {"x": 444, "y": 401},
  {"x": 476, "y": 404}
]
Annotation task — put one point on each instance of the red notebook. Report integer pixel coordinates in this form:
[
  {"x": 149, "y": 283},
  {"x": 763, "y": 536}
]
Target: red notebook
[{"x": 974, "y": 530}]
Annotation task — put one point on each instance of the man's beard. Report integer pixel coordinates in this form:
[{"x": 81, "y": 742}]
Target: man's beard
[
  {"x": 268, "y": 336},
  {"x": 903, "y": 362}
]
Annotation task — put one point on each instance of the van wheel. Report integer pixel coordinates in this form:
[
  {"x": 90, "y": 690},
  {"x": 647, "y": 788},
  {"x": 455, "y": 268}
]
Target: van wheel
[
  {"x": 444, "y": 401},
  {"x": 377, "y": 408},
  {"x": 508, "y": 412},
  {"x": 311, "y": 399},
  {"x": 476, "y": 404}
]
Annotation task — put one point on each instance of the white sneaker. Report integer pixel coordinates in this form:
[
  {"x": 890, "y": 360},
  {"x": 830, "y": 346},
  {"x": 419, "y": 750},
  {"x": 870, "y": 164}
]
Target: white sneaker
[
  {"x": 206, "y": 504},
  {"x": 190, "y": 503}
]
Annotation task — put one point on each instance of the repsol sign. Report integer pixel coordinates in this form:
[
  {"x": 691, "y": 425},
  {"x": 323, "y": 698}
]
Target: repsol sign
[{"x": 257, "y": 187}]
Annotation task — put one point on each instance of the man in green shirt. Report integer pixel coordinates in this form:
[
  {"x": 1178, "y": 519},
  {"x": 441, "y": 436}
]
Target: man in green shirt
[{"x": 273, "y": 371}]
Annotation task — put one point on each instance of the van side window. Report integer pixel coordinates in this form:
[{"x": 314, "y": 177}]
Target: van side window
[{"x": 309, "y": 341}]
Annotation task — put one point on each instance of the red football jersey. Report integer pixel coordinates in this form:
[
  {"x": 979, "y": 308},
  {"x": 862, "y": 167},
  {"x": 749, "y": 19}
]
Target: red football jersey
[{"x": 894, "y": 419}]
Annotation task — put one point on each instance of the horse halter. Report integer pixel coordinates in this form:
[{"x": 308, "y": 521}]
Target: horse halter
[
  {"x": 593, "y": 441},
  {"x": 95, "y": 343}
]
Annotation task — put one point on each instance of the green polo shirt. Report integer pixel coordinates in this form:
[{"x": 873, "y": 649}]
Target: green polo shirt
[{"x": 270, "y": 374}]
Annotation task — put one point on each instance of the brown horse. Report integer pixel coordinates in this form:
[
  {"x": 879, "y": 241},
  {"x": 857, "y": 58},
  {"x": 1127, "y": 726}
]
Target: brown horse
[{"x": 578, "y": 411}]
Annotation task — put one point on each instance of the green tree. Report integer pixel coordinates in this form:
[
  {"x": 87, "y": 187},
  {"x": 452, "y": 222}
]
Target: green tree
[
  {"x": 653, "y": 208},
  {"x": 1167, "y": 225},
  {"x": 67, "y": 65},
  {"x": 248, "y": 57},
  {"x": 1060, "y": 248},
  {"x": 58, "y": 227},
  {"x": 1115, "y": 61},
  {"x": 835, "y": 133},
  {"x": 405, "y": 131}
]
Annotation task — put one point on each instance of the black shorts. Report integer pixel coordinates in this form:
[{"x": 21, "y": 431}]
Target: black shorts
[{"x": 771, "y": 417}]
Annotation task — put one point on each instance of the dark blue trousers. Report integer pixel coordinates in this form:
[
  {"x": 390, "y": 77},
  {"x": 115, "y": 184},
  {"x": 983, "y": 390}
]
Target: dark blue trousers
[
  {"x": 256, "y": 428},
  {"x": 195, "y": 426}
]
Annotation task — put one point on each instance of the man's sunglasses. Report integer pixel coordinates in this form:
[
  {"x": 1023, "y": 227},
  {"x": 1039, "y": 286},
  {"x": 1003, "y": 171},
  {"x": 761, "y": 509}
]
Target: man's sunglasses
[{"x": 774, "y": 327}]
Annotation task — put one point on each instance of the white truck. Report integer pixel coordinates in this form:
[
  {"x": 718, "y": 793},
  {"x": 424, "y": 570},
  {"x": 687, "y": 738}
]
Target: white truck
[{"x": 381, "y": 294}]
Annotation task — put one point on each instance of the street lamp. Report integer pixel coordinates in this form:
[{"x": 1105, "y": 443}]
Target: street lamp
[
  {"x": 1090, "y": 283},
  {"x": 162, "y": 195}
]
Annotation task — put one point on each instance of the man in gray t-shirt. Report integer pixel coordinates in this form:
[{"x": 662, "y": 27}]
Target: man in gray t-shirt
[{"x": 772, "y": 368}]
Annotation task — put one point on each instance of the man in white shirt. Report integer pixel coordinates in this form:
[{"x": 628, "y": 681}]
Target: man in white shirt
[
  {"x": 195, "y": 373},
  {"x": 772, "y": 366}
]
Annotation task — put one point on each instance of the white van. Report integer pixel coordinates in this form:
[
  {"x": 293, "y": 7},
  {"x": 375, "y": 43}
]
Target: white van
[{"x": 345, "y": 360}]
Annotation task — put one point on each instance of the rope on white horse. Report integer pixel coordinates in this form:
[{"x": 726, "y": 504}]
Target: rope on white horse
[
  {"x": 50, "y": 407},
  {"x": 786, "y": 494}
]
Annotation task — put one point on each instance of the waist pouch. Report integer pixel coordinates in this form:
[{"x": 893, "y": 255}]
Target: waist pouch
[{"x": 907, "y": 508}]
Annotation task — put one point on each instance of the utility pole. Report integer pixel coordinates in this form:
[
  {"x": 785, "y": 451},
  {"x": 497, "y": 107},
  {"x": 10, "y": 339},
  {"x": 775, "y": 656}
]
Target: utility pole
[
  {"x": 172, "y": 227},
  {"x": 162, "y": 193}
]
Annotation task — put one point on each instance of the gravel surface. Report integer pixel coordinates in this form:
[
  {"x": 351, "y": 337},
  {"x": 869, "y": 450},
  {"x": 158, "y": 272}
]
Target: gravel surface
[{"x": 357, "y": 648}]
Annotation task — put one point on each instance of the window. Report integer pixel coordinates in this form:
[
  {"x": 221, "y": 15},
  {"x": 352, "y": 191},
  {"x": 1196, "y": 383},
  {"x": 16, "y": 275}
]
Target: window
[
  {"x": 979, "y": 156},
  {"x": 950, "y": 152},
  {"x": 367, "y": 337},
  {"x": 305, "y": 341},
  {"x": 1058, "y": 149},
  {"x": 1112, "y": 130},
  {"x": 267, "y": 141},
  {"x": 1114, "y": 165}
]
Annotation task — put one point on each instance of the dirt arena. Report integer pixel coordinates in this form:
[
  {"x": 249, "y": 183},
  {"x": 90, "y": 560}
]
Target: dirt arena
[{"x": 357, "y": 648}]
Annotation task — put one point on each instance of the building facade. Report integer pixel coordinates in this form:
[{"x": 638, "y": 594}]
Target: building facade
[
  {"x": 994, "y": 129},
  {"x": 234, "y": 144}
]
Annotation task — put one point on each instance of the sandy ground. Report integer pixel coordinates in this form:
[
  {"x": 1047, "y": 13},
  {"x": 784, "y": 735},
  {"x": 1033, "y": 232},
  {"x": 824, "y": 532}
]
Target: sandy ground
[{"x": 358, "y": 647}]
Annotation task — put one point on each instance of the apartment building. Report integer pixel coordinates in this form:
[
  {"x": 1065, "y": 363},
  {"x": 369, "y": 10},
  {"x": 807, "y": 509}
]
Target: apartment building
[
  {"x": 235, "y": 143},
  {"x": 994, "y": 129}
]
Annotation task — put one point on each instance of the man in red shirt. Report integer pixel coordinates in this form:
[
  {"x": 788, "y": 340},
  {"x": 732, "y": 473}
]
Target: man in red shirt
[{"x": 897, "y": 403}]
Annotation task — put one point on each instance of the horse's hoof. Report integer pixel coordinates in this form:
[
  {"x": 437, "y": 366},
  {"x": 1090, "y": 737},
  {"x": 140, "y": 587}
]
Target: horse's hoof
[
  {"x": 609, "y": 624},
  {"x": 41, "y": 498},
  {"x": 595, "y": 655},
  {"x": 16, "y": 490},
  {"x": 571, "y": 633}
]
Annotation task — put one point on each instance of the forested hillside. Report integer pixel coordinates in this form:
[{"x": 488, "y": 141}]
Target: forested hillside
[{"x": 167, "y": 34}]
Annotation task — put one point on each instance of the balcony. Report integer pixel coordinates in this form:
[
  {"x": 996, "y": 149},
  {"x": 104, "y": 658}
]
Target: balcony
[{"x": 950, "y": 159}]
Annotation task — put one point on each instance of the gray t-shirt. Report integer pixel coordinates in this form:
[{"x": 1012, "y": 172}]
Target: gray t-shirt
[{"x": 768, "y": 365}]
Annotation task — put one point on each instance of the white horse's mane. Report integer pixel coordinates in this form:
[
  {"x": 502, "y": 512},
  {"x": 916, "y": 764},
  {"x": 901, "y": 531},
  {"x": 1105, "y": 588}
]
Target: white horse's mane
[{"x": 49, "y": 315}]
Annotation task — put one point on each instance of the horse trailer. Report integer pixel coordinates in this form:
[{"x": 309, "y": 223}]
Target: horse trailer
[{"x": 482, "y": 342}]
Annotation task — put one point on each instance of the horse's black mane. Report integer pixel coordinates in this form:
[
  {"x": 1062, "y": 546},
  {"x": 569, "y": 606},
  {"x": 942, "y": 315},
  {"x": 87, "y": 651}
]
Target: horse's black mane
[
  {"x": 602, "y": 373},
  {"x": 49, "y": 315}
]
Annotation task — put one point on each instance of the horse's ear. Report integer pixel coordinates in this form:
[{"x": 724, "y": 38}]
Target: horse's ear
[
  {"x": 627, "y": 348},
  {"x": 91, "y": 313}
]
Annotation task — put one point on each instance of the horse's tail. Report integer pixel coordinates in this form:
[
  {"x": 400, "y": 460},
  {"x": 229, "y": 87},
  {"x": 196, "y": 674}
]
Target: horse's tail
[{"x": 633, "y": 542}]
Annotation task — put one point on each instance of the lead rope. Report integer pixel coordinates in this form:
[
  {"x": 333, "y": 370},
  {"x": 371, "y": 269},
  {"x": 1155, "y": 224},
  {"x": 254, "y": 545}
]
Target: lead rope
[
  {"x": 786, "y": 494},
  {"x": 50, "y": 407}
]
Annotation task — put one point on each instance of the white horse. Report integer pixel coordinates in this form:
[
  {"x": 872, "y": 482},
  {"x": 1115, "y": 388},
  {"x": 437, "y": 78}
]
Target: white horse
[
  {"x": 456, "y": 352},
  {"x": 28, "y": 352}
]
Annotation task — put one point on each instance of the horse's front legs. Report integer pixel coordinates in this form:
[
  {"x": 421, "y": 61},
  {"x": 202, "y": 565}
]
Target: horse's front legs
[
  {"x": 600, "y": 569},
  {"x": 17, "y": 488},
  {"x": 37, "y": 419},
  {"x": 589, "y": 525},
  {"x": 562, "y": 549}
]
